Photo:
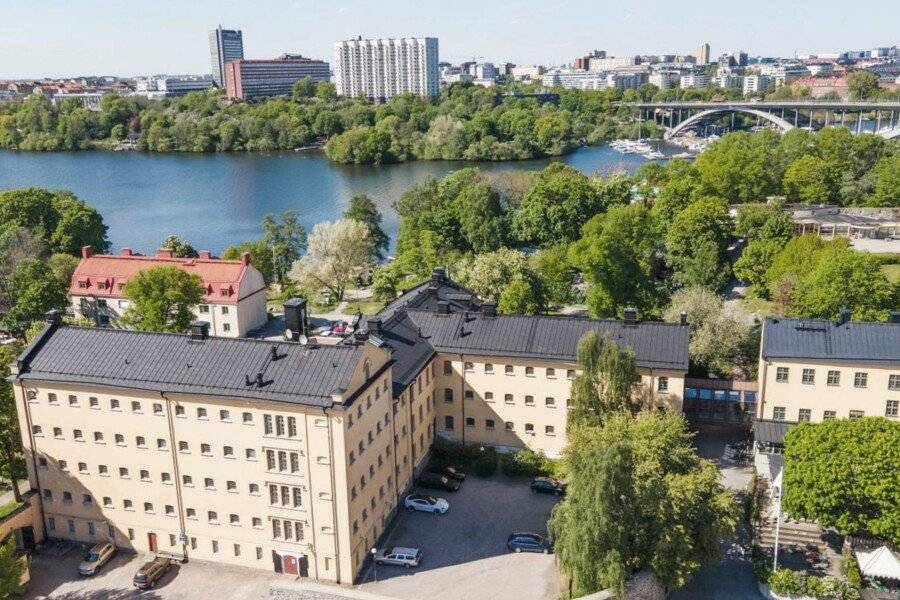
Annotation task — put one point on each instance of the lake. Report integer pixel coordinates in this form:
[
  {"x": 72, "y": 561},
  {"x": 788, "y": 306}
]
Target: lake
[{"x": 213, "y": 200}]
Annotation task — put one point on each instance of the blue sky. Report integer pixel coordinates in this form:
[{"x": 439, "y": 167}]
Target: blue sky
[{"x": 132, "y": 37}]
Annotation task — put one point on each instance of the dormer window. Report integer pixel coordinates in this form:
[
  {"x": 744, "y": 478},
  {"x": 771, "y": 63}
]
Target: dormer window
[{"x": 84, "y": 283}]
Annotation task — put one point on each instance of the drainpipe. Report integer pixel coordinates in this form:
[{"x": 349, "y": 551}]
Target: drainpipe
[
  {"x": 34, "y": 466},
  {"x": 462, "y": 397},
  {"x": 337, "y": 537},
  {"x": 173, "y": 448},
  {"x": 308, "y": 471}
]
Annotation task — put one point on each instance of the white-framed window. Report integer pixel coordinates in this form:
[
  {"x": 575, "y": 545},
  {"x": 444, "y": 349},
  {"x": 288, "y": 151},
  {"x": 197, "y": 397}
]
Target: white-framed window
[
  {"x": 808, "y": 377},
  {"x": 894, "y": 382},
  {"x": 778, "y": 413},
  {"x": 834, "y": 378},
  {"x": 856, "y": 414},
  {"x": 892, "y": 408},
  {"x": 781, "y": 374},
  {"x": 805, "y": 415},
  {"x": 860, "y": 379}
]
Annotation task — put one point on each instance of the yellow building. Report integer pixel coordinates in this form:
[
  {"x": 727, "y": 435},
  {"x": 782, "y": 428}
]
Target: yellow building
[{"x": 280, "y": 455}]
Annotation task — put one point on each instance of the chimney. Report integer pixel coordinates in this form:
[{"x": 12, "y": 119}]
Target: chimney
[
  {"x": 295, "y": 317},
  {"x": 53, "y": 317},
  {"x": 844, "y": 315},
  {"x": 245, "y": 258},
  {"x": 443, "y": 307},
  {"x": 894, "y": 316},
  {"x": 682, "y": 318},
  {"x": 630, "y": 315},
  {"x": 164, "y": 253},
  {"x": 374, "y": 325},
  {"x": 199, "y": 330},
  {"x": 433, "y": 290},
  {"x": 204, "y": 255},
  {"x": 438, "y": 275},
  {"x": 489, "y": 309},
  {"x": 125, "y": 252},
  {"x": 87, "y": 252}
]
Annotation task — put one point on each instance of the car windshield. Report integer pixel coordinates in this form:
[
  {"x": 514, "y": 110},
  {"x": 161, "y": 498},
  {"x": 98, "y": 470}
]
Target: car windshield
[
  {"x": 92, "y": 557},
  {"x": 430, "y": 499},
  {"x": 140, "y": 577}
]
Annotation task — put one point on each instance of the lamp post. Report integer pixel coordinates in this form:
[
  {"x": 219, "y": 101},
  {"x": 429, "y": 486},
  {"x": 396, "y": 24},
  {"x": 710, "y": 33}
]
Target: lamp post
[
  {"x": 778, "y": 491},
  {"x": 374, "y": 563}
]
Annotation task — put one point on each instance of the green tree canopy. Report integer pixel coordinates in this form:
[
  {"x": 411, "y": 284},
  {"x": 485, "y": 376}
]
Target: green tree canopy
[
  {"x": 64, "y": 221},
  {"x": 162, "y": 299},
  {"x": 862, "y": 84},
  {"x": 303, "y": 89},
  {"x": 260, "y": 257},
  {"x": 886, "y": 175},
  {"x": 179, "y": 248},
  {"x": 12, "y": 567},
  {"x": 810, "y": 179},
  {"x": 362, "y": 209},
  {"x": 482, "y": 219},
  {"x": 337, "y": 253},
  {"x": 607, "y": 380},
  {"x": 741, "y": 167},
  {"x": 286, "y": 240},
  {"x": 488, "y": 274},
  {"x": 32, "y": 290},
  {"x": 522, "y": 296},
  {"x": 696, "y": 243},
  {"x": 556, "y": 207},
  {"x": 638, "y": 498},
  {"x": 843, "y": 473}
]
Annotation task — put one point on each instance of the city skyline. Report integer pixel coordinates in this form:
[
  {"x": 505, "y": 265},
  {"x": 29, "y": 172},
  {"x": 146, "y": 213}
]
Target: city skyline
[{"x": 169, "y": 37}]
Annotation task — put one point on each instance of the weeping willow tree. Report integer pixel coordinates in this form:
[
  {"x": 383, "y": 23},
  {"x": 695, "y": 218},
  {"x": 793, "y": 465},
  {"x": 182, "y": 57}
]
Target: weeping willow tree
[
  {"x": 638, "y": 498},
  {"x": 607, "y": 380}
]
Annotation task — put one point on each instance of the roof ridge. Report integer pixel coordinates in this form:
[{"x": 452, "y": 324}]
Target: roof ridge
[
  {"x": 210, "y": 260},
  {"x": 558, "y": 317}
]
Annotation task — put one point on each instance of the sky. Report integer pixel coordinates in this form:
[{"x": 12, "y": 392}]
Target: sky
[{"x": 57, "y": 38}]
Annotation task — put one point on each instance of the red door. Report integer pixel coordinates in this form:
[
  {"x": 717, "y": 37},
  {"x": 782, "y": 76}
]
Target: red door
[
  {"x": 151, "y": 541},
  {"x": 290, "y": 565}
]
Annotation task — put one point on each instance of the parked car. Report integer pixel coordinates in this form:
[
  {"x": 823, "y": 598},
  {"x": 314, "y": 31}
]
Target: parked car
[
  {"x": 545, "y": 485},
  {"x": 437, "y": 481},
  {"x": 151, "y": 572},
  {"x": 450, "y": 472},
  {"x": 525, "y": 541},
  {"x": 399, "y": 556},
  {"x": 425, "y": 503},
  {"x": 98, "y": 556}
]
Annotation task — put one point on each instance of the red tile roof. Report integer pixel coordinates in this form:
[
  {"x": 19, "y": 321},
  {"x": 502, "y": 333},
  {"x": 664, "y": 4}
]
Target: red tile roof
[{"x": 105, "y": 275}]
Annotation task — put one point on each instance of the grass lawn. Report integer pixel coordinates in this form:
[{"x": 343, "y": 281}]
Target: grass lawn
[
  {"x": 9, "y": 508},
  {"x": 366, "y": 307},
  {"x": 754, "y": 304},
  {"x": 892, "y": 272}
]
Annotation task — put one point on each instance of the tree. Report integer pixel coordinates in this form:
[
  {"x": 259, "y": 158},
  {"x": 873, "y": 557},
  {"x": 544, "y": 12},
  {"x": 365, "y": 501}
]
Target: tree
[
  {"x": 556, "y": 273},
  {"x": 607, "y": 381},
  {"x": 33, "y": 289},
  {"x": 337, "y": 253},
  {"x": 63, "y": 266},
  {"x": 862, "y": 84},
  {"x": 482, "y": 220},
  {"x": 12, "y": 567},
  {"x": 751, "y": 218},
  {"x": 696, "y": 243},
  {"x": 886, "y": 190},
  {"x": 522, "y": 296},
  {"x": 303, "y": 89},
  {"x": 741, "y": 167},
  {"x": 616, "y": 256},
  {"x": 488, "y": 274},
  {"x": 260, "y": 257},
  {"x": 64, "y": 221},
  {"x": 754, "y": 264},
  {"x": 844, "y": 278},
  {"x": 326, "y": 91},
  {"x": 13, "y": 465},
  {"x": 723, "y": 341},
  {"x": 843, "y": 474},
  {"x": 385, "y": 283},
  {"x": 286, "y": 240},
  {"x": 810, "y": 179},
  {"x": 638, "y": 498},
  {"x": 162, "y": 299},
  {"x": 556, "y": 207},
  {"x": 362, "y": 209},
  {"x": 797, "y": 259},
  {"x": 179, "y": 248}
]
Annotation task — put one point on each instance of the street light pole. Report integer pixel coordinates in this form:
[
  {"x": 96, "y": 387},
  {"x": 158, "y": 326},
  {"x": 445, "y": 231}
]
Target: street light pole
[
  {"x": 374, "y": 563},
  {"x": 778, "y": 492}
]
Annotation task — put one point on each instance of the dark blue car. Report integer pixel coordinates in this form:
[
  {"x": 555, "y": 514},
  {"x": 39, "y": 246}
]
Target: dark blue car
[
  {"x": 528, "y": 542},
  {"x": 545, "y": 485}
]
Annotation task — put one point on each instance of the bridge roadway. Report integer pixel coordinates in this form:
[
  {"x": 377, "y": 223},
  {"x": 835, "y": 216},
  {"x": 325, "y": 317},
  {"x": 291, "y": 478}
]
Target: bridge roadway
[{"x": 848, "y": 106}]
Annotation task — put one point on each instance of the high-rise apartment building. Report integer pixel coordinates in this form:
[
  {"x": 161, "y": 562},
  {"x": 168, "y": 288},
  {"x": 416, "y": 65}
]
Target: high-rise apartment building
[
  {"x": 703, "y": 54},
  {"x": 225, "y": 45},
  {"x": 384, "y": 68},
  {"x": 246, "y": 79}
]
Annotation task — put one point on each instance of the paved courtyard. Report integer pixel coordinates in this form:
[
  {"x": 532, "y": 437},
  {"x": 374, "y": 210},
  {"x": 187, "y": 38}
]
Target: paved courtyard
[
  {"x": 464, "y": 551},
  {"x": 57, "y": 577}
]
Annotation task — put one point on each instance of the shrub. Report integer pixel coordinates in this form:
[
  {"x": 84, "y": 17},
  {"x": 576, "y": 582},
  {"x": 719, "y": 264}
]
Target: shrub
[
  {"x": 833, "y": 588},
  {"x": 785, "y": 581},
  {"x": 762, "y": 564},
  {"x": 527, "y": 463},
  {"x": 481, "y": 460},
  {"x": 850, "y": 569}
]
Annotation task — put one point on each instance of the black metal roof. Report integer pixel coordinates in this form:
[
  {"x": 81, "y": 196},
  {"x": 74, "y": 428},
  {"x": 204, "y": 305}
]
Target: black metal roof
[
  {"x": 830, "y": 340},
  {"x": 167, "y": 362},
  {"x": 771, "y": 432}
]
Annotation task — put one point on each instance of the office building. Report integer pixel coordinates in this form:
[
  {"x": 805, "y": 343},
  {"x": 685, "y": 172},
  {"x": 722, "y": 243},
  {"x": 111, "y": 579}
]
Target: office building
[
  {"x": 245, "y": 79},
  {"x": 294, "y": 457},
  {"x": 608, "y": 63},
  {"x": 703, "y": 54},
  {"x": 384, "y": 68},
  {"x": 574, "y": 79},
  {"x": 234, "y": 299},
  {"x": 225, "y": 45}
]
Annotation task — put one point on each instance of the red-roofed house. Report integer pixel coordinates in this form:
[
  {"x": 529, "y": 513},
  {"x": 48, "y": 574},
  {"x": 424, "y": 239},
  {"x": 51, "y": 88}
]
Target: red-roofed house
[{"x": 234, "y": 302}]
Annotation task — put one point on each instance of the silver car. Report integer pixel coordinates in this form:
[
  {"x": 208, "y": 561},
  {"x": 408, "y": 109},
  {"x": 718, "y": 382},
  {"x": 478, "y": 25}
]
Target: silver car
[
  {"x": 401, "y": 557},
  {"x": 426, "y": 503},
  {"x": 98, "y": 556}
]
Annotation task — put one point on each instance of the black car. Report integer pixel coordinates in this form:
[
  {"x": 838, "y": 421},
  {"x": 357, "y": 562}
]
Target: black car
[
  {"x": 437, "y": 481},
  {"x": 528, "y": 542},
  {"x": 451, "y": 472},
  {"x": 151, "y": 572},
  {"x": 545, "y": 485}
]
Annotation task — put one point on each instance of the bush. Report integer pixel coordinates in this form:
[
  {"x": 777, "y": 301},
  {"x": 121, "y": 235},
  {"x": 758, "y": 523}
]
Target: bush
[
  {"x": 785, "y": 581},
  {"x": 527, "y": 463},
  {"x": 762, "y": 564},
  {"x": 481, "y": 460},
  {"x": 850, "y": 569}
]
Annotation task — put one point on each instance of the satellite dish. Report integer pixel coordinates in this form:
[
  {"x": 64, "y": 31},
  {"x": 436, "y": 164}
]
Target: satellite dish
[
  {"x": 288, "y": 334},
  {"x": 303, "y": 340}
]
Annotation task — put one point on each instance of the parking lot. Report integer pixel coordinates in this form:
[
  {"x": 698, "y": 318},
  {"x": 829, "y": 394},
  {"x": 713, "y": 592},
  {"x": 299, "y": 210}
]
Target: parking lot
[
  {"x": 464, "y": 552},
  {"x": 57, "y": 577}
]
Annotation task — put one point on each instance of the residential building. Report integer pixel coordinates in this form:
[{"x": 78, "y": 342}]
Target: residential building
[
  {"x": 703, "y": 54},
  {"x": 234, "y": 299},
  {"x": 693, "y": 80},
  {"x": 527, "y": 72},
  {"x": 608, "y": 63},
  {"x": 816, "y": 369},
  {"x": 287, "y": 456},
  {"x": 162, "y": 86},
  {"x": 225, "y": 45},
  {"x": 664, "y": 80},
  {"x": 754, "y": 84},
  {"x": 486, "y": 71},
  {"x": 246, "y": 79},
  {"x": 574, "y": 79},
  {"x": 728, "y": 80},
  {"x": 824, "y": 86},
  {"x": 383, "y": 68}
]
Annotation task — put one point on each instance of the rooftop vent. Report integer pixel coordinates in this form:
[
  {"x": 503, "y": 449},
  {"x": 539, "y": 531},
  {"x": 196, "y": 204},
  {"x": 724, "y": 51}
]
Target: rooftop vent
[
  {"x": 438, "y": 275},
  {"x": 199, "y": 330},
  {"x": 489, "y": 309},
  {"x": 630, "y": 314},
  {"x": 682, "y": 317},
  {"x": 443, "y": 307},
  {"x": 295, "y": 317},
  {"x": 894, "y": 316},
  {"x": 844, "y": 315},
  {"x": 53, "y": 317},
  {"x": 374, "y": 325}
]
